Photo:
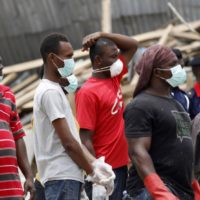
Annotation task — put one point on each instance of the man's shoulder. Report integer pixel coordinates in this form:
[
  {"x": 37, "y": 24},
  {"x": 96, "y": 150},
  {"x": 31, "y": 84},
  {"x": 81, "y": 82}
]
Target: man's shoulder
[
  {"x": 6, "y": 91},
  {"x": 89, "y": 87},
  {"x": 45, "y": 86}
]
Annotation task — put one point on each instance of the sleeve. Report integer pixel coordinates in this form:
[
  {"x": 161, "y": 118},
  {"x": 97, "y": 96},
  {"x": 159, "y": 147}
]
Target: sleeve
[
  {"x": 138, "y": 123},
  {"x": 125, "y": 68},
  {"x": 15, "y": 123},
  {"x": 52, "y": 105},
  {"x": 86, "y": 110}
]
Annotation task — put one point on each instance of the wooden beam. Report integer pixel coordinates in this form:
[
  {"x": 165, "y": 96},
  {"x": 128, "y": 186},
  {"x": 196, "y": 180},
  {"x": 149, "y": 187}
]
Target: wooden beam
[
  {"x": 106, "y": 21},
  {"x": 165, "y": 35},
  {"x": 151, "y": 35},
  {"x": 185, "y": 35},
  {"x": 23, "y": 66},
  {"x": 81, "y": 66},
  {"x": 178, "y": 15},
  {"x": 190, "y": 47},
  {"x": 24, "y": 83},
  {"x": 9, "y": 78},
  {"x": 28, "y": 105},
  {"x": 27, "y": 89},
  {"x": 24, "y": 99}
]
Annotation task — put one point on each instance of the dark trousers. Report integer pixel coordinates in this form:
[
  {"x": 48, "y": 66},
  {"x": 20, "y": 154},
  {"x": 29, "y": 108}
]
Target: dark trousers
[
  {"x": 120, "y": 184},
  {"x": 40, "y": 195}
]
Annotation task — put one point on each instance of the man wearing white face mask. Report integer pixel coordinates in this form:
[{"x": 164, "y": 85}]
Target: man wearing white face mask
[
  {"x": 60, "y": 156},
  {"x": 99, "y": 103}
]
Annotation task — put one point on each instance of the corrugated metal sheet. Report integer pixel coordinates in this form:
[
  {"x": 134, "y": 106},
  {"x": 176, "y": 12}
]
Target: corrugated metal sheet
[{"x": 25, "y": 22}]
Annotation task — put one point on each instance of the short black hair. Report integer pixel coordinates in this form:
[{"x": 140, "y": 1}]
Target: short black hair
[
  {"x": 194, "y": 62},
  {"x": 50, "y": 44},
  {"x": 178, "y": 53},
  {"x": 96, "y": 49}
]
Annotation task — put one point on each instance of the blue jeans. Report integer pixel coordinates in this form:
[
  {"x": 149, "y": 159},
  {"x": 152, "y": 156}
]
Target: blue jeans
[
  {"x": 120, "y": 184},
  {"x": 63, "y": 190},
  {"x": 39, "y": 194}
]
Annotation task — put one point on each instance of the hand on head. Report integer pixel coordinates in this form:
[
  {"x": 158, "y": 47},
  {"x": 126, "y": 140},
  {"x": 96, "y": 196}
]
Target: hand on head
[{"x": 90, "y": 40}]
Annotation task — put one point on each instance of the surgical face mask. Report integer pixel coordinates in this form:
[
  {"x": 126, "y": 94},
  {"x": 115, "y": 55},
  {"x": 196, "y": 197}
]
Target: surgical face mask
[
  {"x": 1, "y": 78},
  {"x": 73, "y": 84},
  {"x": 115, "y": 69},
  {"x": 68, "y": 68},
  {"x": 178, "y": 76}
]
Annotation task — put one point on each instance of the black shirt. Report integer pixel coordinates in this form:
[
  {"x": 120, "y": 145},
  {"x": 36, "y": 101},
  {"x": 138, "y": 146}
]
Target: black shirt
[{"x": 165, "y": 120}]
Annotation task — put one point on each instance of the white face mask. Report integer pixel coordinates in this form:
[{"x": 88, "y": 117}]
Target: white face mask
[
  {"x": 115, "y": 69},
  {"x": 178, "y": 76},
  {"x": 73, "y": 84}
]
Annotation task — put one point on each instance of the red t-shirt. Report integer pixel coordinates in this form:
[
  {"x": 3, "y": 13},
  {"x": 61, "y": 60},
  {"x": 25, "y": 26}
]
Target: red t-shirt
[
  {"x": 99, "y": 108},
  {"x": 10, "y": 131}
]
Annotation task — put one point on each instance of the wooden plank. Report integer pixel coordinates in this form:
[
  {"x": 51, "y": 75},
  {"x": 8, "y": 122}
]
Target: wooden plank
[
  {"x": 106, "y": 21},
  {"x": 151, "y": 35},
  {"x": 28, "y": 105},
  {"x": 190, "y": 47},
  {"x": 164, "y": 37},
  {"x": 185, "y": 35},
  {"x": 174, "y": 10},
  {"x": 23, "y": 66},
  {"x": 24, "y": 99},
  {"x": 24, "y": 83},
  {"x": 80, "y": 67},
  {"x": 27, "y": 89},
  {"x": 9, "y": 78}
]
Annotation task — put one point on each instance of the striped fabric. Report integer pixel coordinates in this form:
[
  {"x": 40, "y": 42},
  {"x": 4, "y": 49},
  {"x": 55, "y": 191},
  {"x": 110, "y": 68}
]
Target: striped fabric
[{"x": 10, "y": 131}]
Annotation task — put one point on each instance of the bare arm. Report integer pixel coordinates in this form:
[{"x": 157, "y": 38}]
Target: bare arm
[
  {"x": 25, "y": 167},
  {"x": 70, "y": 144},
  {"x": 126, "y": 44},
  {"x": 138, "y": 151},
  {"x": 89, "y": 156},
  {"x": 87, "y": 140}
]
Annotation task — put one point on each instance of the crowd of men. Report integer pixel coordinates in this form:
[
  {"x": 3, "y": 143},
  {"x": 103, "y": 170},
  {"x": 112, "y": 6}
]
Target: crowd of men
[{"x": 150, "y": 148}]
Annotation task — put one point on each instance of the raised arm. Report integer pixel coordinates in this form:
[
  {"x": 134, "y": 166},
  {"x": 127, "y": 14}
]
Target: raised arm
[{"x": 126, "y": 44}]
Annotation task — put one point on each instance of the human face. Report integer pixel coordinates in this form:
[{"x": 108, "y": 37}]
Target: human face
[
  {"x": 164, "y": 71},
  {"x": 65, "y": 52},
  {"x": 108, "y": 57}
]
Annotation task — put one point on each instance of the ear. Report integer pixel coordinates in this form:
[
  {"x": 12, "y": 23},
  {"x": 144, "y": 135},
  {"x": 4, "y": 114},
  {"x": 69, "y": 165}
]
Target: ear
[
  {"x": 50, "y": 57},
  {"x": 97, "y": 61},
  {"x": 157, "y": 72}
]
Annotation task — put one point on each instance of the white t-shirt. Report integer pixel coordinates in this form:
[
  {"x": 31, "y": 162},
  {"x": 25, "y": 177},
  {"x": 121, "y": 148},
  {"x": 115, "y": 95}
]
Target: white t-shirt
[{"x": 53, "y": 162}]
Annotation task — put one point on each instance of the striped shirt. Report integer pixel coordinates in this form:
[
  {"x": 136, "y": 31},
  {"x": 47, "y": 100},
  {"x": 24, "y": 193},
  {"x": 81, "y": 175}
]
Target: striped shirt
[{"x": 10, "y": 131}]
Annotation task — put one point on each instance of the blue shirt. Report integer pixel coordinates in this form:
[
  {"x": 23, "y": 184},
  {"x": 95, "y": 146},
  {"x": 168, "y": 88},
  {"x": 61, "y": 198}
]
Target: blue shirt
[
  {"x": 194, "y": 103},
  {"x": 181, "y": 97}
]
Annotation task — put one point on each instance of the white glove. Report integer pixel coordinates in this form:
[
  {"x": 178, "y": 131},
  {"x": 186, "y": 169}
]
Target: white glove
[
  {"x": 102, "y": 175},
  {"x": 110, "y": 187},
  {"x": 98, "y": 192}
]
